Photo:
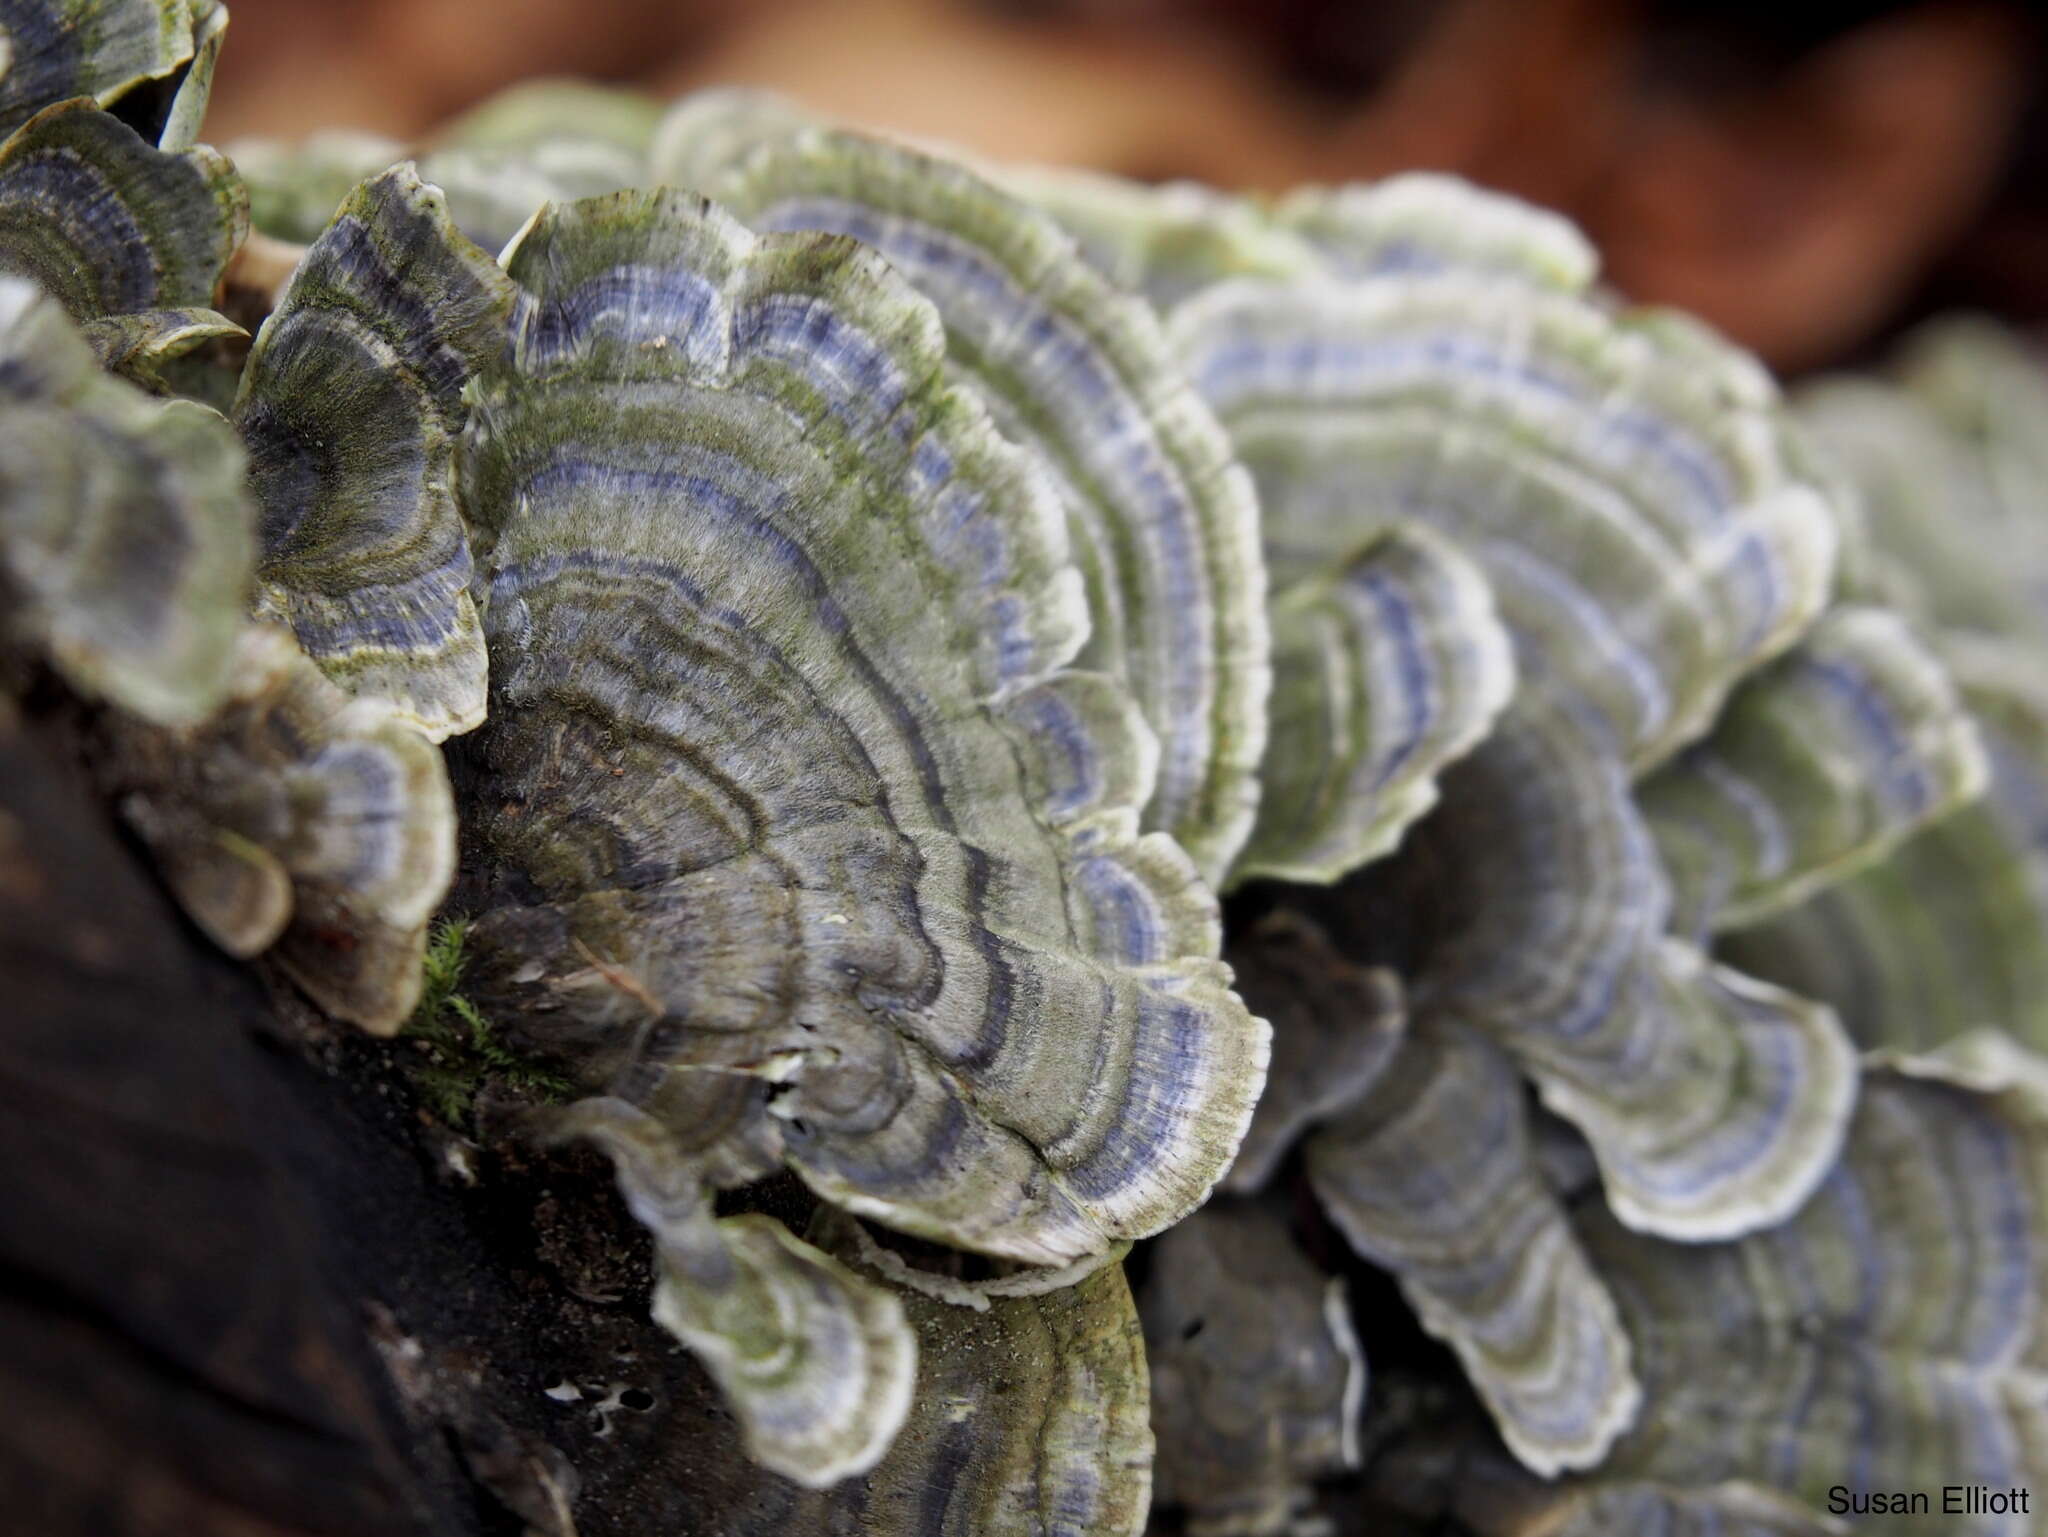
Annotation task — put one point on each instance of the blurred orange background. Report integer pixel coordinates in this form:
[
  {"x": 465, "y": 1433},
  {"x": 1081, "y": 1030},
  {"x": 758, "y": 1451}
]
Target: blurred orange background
[{"x": 1808, "y": 175}]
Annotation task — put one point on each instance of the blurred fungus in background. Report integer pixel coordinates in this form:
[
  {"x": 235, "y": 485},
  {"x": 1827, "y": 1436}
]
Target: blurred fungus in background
[{"x": 1809, "y": 177}]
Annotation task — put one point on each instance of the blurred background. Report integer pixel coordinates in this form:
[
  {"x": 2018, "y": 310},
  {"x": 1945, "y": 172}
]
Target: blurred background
[{"x": 1809, "y": 175}]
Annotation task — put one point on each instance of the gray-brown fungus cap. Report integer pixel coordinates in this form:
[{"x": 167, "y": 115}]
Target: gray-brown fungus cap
[
  {"x": 1163, "y": 524},
  {"x": 799, "y": 830},
  {"x": 1257, "y": 1375}
]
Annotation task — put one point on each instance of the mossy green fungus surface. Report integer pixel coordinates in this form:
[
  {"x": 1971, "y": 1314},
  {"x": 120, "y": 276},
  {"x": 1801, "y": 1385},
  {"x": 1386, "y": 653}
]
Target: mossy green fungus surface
[
  {"x": 351, "y": 404},
  {"x": 1162, "y": 520},
  {"x": 109, "y": 224}
]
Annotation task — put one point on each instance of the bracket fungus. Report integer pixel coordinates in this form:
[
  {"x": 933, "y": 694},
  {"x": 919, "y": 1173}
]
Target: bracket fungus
[
  {"x": 1163, "y": 522},
  {"x": 351, "y": 404},
  {"x": 538, "y": 142},
  {"x": 52, "y": 50},
  {"x": 1030, "y": 1418},
  {"x": 299, "y": 818},
  {"x": 1165, "y": 242},
  {"x": 1386, "y": 668},
  {"x": 1421, "y": 223},
  {"x": 1638, "y": 510},
  {"x": 149, "y": 348},
  {"x": 1620, "y": 482},
  {"x": 796, "y": 823},
  {"x": 1712, "y": 1103},
  {"x": 840, "y": 575},
  {"x": 1256, "y": 1371},
  {"x": 108, "y": 223},
  {"x": 1821, "y": 764},
  {"x": 1950, "y": 931},
  {"x": 1627, "y": 489},
  {"x": 817, "y": 1362},
  {"x": 1943, "y": 452},
  {"x": 281, "y": 814},
  {"x": 1432, "y": 1175},
  {"x": 1171, "y": 242},
  {"x": 1888, "y": 1335},
  {"x": 127, "y": 533}
]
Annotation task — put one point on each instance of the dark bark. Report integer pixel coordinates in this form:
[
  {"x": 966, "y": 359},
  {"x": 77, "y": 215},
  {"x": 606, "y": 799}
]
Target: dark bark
[{"x": 248, "y": 1287}]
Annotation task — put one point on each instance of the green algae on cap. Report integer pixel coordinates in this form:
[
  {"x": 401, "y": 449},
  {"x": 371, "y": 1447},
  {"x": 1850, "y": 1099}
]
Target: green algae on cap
[
  {"x": 53, "y": 50},
  {"x": 787, "y": 778},
  {"x": 1822, "y": 764},
  {"x": 108, "y": 223},
  {"x": 1163, "y": 521},
  {"x": 351, "y": 405}
]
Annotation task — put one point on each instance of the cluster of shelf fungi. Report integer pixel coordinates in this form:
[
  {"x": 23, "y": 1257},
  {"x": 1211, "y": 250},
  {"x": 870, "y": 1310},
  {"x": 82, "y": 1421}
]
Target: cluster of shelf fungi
[{"x": 715, "y": 826}]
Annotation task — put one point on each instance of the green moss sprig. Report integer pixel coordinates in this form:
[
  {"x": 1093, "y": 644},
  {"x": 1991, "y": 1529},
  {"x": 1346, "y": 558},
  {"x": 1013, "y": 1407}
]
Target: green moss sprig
[{"x": 456, "y": 1048}]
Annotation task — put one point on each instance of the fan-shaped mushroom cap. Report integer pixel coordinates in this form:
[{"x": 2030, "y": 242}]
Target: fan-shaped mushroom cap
[
  {"x": 1622, "y": 483},
  {"x": 1821, "y": 764},
  {"x": 1432, "y": 1176},
  {"x": 817, "y": 1361},
  {"x": 549, "y": 111},
  {"x": 146, "y": 347},
  {"x": 52, "y": 50},
  {"x": 1165, "y": 242},
  {"x": 299, "y": 817},
  {"x": 351, "y": 405},
  {"x": 127, "y": 536},
  {"x": 1651, "y": 532},
  {"x": 1170, "y": 242},
  {"x": 1386, "y": 669},
  {"x": 1423, "y": 223},
  {"x": 1713, "y": 1103},
  {"x": 109, "y": 224},
  {"x": 1163, "y": 520},
  {"x": 280, "y": 812},
  {"x": 186, "y": 114},
  {"x": 1889, "y": 1335},
  {"x": 787, "y": 782},
  {"x": 1950, "y": 931},
  {"x": 1029, "y": 1419}
]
